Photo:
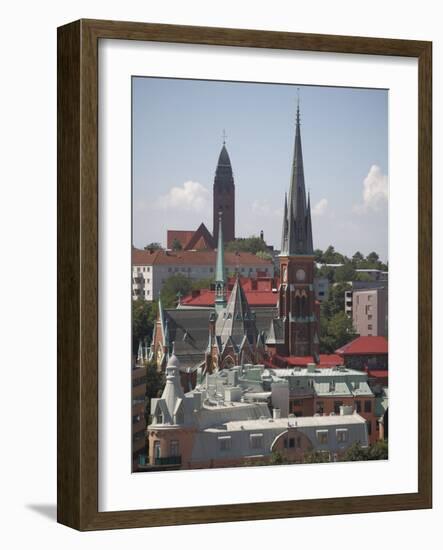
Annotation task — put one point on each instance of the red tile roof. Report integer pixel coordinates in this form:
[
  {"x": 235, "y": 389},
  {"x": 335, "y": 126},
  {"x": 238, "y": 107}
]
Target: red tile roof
[
  {"x": 182, "y": 237},
  {"x": 365, "y": 345},
  {"x": 258, "y": 290},
  {"x": 197, "y": 257},
  {"x": 378, "y": 374},
  {"x": 255, "y": 298}
]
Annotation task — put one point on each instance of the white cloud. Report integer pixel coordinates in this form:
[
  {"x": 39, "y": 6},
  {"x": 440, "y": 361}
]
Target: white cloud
[
  {"x": 375, "y": 190},
  {"x": 263, "y": 208},
  {"x": 320, "y": 208},
  {"x": 191, "y": 196}
]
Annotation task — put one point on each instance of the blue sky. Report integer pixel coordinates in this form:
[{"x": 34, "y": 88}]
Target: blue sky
[{"x": 177, "y": 137}]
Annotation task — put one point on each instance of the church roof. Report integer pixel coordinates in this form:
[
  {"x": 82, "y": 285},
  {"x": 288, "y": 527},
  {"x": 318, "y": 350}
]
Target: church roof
[
  {"x": 256, "y": 298},
  {"x": 236, "y": 320},
  {"x": 188, "y": 329},
  {"x": 180, "y": 235},
  {"x": 200, "y": 239}
]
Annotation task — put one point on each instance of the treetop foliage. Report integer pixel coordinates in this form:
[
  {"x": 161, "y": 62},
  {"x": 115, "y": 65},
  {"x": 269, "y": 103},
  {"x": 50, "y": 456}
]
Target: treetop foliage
[{"x": 251, "y": 244}]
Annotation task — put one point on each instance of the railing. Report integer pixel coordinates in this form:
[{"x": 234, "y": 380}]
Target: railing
[{"x": 167, "y": 460}]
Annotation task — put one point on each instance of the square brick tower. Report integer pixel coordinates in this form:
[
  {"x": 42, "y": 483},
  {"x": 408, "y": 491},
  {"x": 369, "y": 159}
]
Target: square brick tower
[{"x": 224, "y": 197}]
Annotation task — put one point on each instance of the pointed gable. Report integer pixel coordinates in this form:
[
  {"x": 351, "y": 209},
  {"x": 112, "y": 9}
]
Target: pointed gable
[
  {"x": 236, "y": 320},
  {"x": 200, "y": 240}
]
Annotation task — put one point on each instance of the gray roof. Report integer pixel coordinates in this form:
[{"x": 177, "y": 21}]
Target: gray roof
[
  {"x": 263, "y": 318},
  {"x": 188, "y": 329},
  {"x": 236, "y": 320}
]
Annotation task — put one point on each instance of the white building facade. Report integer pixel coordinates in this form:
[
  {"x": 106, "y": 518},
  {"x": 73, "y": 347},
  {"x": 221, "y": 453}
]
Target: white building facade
[{"x": 150, "y": 270}]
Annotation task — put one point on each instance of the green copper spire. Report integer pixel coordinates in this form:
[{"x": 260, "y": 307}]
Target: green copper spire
[{"x": 220, "y": 284}]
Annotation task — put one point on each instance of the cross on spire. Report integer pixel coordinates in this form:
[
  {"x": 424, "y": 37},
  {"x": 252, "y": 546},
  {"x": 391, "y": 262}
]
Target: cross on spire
[{"x": 224, "y": 136}]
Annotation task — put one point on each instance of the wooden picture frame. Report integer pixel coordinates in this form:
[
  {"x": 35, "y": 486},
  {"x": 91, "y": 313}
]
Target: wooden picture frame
[{"x": 77, "y": 479}]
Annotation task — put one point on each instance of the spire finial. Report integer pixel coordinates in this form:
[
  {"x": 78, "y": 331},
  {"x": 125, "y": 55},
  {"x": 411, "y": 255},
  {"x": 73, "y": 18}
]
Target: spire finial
[
  {"x": 224, "y": 136},
  {"x": 298, "y": 107}
]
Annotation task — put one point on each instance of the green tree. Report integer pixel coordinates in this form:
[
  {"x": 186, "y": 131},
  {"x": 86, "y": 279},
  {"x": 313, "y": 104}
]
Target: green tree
[
  {"x": 330, "y": 256},
  {"x": 173, "y": 287},
  {"x": 325, "y": 271},
  {"x": 264, "y": 255},
  {"x": 318, "y": 254},
  {"x": 316, "y": 457},
  {"x": 345, "y": 273},
  {"x": 377, "y": 451},
  {"x": 373, "y": 258},
  {"x": 357, "y": 257},
  {"x": 153, "y": 246},
  {"x": 179, "y": 285},
  {"x": 251, "y": 244},
  {"x": 362, "y": 277},
  {"x": 200, "y": 284},
  {"x": 335, "y": 332},
  {"x": 336, "y": 299},
  {"x": 144, "y": 315},
  {"x": 177, "y": 245}
]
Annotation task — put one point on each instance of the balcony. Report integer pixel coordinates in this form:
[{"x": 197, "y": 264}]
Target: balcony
[{"x": 167, "y": 460}]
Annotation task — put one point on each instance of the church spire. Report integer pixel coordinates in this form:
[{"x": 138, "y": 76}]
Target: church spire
[
  {"x": 220, "y": 283},
  {"x": 297, "y": 217}
]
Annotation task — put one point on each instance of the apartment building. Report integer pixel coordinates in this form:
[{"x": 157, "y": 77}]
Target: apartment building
[{"x": 370, "y": 311}]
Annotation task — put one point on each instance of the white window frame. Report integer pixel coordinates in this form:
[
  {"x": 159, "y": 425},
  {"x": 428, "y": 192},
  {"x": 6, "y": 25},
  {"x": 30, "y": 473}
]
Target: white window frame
[
  {"x": 342, "y": 435},
  {"x": 256, "y": 441},
  {"x": 224, "y": 443}
]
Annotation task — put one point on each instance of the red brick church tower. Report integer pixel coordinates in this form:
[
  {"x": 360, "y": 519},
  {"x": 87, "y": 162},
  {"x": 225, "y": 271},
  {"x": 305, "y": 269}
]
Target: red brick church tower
[
  {"x": 224, "y": 197},
  {"x": 298, "y": 313}
]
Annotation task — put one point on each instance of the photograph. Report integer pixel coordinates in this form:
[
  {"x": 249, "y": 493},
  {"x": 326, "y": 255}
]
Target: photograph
[{"x": 259, "y": 274}]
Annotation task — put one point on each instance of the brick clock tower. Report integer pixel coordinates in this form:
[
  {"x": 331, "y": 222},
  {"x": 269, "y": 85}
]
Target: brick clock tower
[
  {"x": 224, "y": 197},
  {"x": 298, "y": 312}
]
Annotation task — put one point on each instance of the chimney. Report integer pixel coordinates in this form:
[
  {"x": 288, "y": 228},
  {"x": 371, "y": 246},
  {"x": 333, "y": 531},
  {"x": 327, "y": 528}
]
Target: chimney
[{"x": 346, "y": 410}]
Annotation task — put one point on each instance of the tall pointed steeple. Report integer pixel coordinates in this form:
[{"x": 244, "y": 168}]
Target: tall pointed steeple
[
  {"x": 297, "y": 216},
  {"x": 220, "y": 274},
  {"x": 224, "y": 195},
  {"x": 298, "y": 320}
]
